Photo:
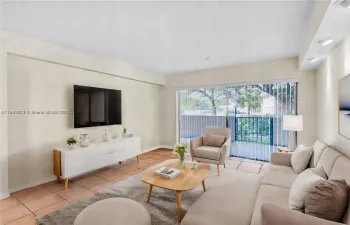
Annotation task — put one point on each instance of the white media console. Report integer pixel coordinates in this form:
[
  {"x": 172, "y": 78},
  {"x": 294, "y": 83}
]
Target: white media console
[{"x": 72, "y": 163}]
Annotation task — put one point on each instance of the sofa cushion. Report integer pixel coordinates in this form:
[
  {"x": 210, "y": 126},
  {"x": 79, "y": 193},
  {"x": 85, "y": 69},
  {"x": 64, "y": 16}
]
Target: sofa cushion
[
  {"x": 301, "y": 158},
  {"x": 269, "y": 194},
  {"x": 340, "y": 170},
  {"x": 328, "y": 200},
  {"x": 229, "y": 203},
  {"x": 281, "y": 176},
  {"x": 208, "y": 152},
  {"x": 318, "y": 148},
  {"x": 327, "y": 159},
  {"x": 213, "y": 140},
  {"x": 301, "y": 187}
]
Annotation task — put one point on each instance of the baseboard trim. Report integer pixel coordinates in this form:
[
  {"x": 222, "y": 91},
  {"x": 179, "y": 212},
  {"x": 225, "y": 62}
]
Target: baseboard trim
[
  {"x": 167, "y": 147},
  {"x": 4, "y": 195},
  {"x": 32, "y": 184}
]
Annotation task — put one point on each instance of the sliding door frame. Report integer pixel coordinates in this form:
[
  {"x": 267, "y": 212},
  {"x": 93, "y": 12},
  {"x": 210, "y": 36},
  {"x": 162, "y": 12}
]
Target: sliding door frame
[{"x": 177, "y": 96}]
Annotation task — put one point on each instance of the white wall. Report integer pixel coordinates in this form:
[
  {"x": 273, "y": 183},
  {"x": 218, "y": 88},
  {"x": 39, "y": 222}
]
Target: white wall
[
  {"x": 3, "y": 124},
  {"x": 41, "y": 76},
  {"x": 250, "y": 73},
  {"x": 39, "y": 85},
  {"x": 336, "y": 66}
]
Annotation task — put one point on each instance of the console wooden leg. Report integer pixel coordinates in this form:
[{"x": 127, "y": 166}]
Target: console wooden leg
[
  {"x": 218, "y": 170},
  {"x": 178, "y": 200},
  {"x": 137, "y": 158},
  {"x": 224, "y": 165},
  {"x": 149, "y": 192},
  {"x": 203, "y": 183},
  {"x": 58, "y": 179},
  {"x": 66, "y": 184}
]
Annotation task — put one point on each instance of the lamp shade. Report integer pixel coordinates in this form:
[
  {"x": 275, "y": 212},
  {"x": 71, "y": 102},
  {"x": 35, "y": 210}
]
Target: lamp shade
[{"x": 293, "y": 123}]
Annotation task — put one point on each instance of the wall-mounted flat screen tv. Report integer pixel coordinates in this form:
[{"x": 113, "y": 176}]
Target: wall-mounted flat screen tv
[{"x": 96, "y": 107}]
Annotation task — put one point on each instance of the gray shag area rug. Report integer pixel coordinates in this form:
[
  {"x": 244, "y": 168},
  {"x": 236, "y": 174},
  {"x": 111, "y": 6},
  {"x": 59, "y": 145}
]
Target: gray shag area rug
[{"x": 162, "y": 206}]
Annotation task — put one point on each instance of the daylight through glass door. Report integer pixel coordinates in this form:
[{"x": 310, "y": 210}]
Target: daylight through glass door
[{"x": 253, "y": 112}]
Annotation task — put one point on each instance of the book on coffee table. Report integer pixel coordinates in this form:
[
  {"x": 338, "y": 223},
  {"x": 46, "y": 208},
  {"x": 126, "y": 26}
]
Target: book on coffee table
[{"x": 169, "y": 173}]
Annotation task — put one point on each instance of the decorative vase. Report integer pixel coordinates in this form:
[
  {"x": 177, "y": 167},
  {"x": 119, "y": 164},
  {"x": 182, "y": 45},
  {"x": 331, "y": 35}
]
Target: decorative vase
[
  {"x": 70, "y": 147},
  {"x": 106, "y": 137},
  {"x": 84, "y": 140},
  {"x": 124, "y": 135},
  {"x": 181, "y": 162}
]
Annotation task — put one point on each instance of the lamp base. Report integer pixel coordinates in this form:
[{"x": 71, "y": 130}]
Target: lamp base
[{"x": 291, "y": 144}]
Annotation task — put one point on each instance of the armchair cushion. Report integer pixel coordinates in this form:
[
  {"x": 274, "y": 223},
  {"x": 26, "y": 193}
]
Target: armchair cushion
[
  {"x": 208, "y": 152},
  {"x": 213, "y": 140}
]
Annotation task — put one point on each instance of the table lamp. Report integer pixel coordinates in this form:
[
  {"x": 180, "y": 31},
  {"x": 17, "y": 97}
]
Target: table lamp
[{"x": 292, "y": 123}]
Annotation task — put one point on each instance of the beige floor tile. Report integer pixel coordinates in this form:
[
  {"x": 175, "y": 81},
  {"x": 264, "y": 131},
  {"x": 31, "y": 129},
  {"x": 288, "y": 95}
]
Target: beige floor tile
[
  {"x": 8, "y": 203},
  {"x": 43, "y": 202},
  {"x": 26, "y": 220},
  {"x": 151, "y": 161},
  {"x": 85, "y": 195},
  {"x": 51, "y": 208},
  {"x": 235, "y": 158},
  {"x": 128, "y": 169},
  {"x": 133, "y": 173},
  {"x": 248, "y": 169},
  {"x": 261, "y": 171},
  {"x": 257, "y": 165},
  {"x": 109, "y": 174},
  {"x": 73, "y": 190},
  {"x": 31, "y": 194},
  {"x": 13, "y": 214},
  {"x": 118, "y": 179},
  {"x": 103, "y": 187},
  {"x": 91, "y": 181},
  {"x": 232, "y": 164},
  {"x": 54, "y": 186},
  {"x": 143, "y": 156}
]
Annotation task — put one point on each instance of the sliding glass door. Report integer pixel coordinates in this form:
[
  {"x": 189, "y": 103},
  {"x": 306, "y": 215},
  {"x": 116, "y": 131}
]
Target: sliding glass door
[{"x": 253, "y": 112}]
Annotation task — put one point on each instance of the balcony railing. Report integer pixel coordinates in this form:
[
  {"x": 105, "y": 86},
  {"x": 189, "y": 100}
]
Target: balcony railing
[{"x": 265, "y": 130}]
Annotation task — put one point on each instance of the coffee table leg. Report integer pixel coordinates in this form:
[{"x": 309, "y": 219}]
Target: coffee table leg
[
  {"x": 203, "y": 183},
  {"x": 149, "y": 193},
  {"x": 178, "y": 200}
]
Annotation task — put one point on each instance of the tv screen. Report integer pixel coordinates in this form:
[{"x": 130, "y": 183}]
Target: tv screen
[{"x": 96, "y": 107}]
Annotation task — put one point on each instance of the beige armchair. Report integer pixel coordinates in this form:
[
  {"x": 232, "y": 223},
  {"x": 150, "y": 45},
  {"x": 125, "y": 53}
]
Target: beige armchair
[{"x": 214, "y": 154}]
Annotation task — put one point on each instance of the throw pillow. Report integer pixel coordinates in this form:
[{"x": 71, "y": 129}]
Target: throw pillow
[
  {"x": 213, "y": 140},
  {"x": 301, "y": 158},
  {"x": 301, "y": 187},
  {"x": 328, "y": 200}
]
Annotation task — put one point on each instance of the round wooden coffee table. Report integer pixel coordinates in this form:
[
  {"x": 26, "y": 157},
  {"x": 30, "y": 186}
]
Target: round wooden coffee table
[{"x": 188, "y": 180}]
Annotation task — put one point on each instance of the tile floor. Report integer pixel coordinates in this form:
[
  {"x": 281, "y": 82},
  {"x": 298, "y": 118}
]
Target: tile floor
[{"x": 22, "y": 207}]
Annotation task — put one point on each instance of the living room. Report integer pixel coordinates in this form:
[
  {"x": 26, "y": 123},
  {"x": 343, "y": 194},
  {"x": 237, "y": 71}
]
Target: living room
[{"x": 166, "y": 62}]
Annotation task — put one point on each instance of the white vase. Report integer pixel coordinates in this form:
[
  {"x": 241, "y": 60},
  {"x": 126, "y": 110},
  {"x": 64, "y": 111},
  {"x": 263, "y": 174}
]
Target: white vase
[
  {"x": 106, "y": 137},
  {"x": 70, "y": 147},
  {"x": 84, "y": 140}
]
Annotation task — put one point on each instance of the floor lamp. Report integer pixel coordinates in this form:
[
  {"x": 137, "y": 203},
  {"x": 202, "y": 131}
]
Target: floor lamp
[{"x": 292, "y": 123}]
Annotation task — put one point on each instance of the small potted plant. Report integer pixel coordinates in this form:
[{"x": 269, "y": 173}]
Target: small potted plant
[
  {"x": 71, "y": 143},
  {"x": 180, "y": 150},
  {"x": 124, "y": 134}
]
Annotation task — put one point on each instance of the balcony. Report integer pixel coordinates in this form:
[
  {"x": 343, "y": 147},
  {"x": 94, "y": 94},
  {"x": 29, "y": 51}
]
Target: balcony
[{"x": 253, "y": 137}]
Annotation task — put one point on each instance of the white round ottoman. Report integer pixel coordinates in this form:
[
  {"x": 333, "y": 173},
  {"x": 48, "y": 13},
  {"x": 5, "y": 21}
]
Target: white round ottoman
[{"x": 114, "y": 211}]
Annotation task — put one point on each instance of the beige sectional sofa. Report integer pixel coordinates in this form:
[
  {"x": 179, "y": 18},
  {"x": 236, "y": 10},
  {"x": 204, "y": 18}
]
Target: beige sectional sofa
[{"x": 263, "y": 200}]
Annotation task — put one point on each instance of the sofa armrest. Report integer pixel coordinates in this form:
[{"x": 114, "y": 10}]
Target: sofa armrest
[
  {"x": 195, "y": 143},
  {"x": 281, "y": 158},
  {"x": 224, "y": 151},
  {"x": 275, "y": 215}
]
